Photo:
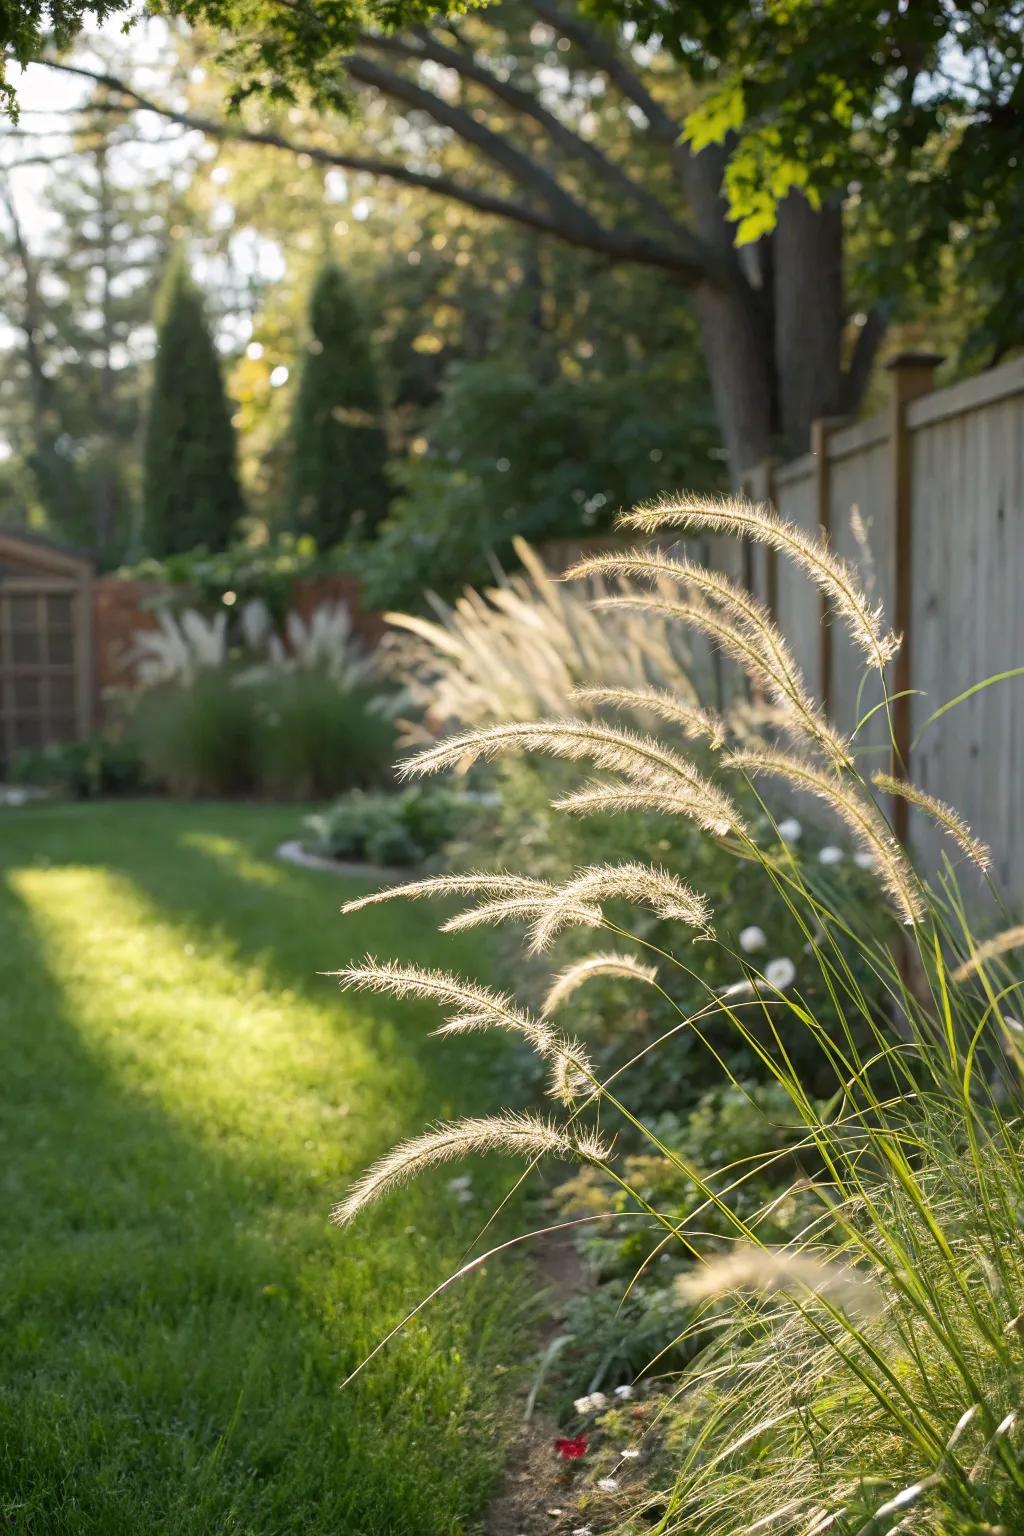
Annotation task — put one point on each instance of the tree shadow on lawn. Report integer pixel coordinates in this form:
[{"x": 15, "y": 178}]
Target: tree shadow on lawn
[{"x": 176, "y": 1326}]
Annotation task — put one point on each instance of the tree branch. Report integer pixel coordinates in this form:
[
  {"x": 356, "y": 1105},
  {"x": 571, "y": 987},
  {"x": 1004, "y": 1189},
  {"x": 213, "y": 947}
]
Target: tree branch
[
  {"x": 568, "y": 141},
  {"x": 622, "y": 245},
  {"x": 663, "y": 126},
  {"x": 869, "y": 338},
  {"x": 527, "y": 172}
]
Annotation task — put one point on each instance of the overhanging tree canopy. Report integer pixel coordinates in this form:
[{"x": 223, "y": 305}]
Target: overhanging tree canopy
[{"x": 800, "y": 110}]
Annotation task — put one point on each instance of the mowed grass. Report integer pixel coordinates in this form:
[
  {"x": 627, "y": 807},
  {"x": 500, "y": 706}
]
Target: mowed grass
[{"x": 182, "y": 1099}]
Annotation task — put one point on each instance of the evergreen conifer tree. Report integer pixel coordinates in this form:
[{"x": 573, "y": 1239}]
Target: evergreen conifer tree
[
  {"x": 191, "y": 493},
  {"x": 339, "y": 448}
]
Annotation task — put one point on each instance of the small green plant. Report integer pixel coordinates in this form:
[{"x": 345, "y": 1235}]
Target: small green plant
[
  {"x": 853, "y": 1342},
  {"x": 399, "y": 827},
  {"x": 102, "y": 764}
]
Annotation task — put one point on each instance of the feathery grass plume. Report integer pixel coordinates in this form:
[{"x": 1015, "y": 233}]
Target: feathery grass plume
[
  {"x": 999, "y": 944},
  {"x": 572, "y": 1074},
  {"x": 734, "y": 600},
  {"x": 836, "y": 578},
  {"x": 949, "y": 820},
  {"x": 642, "y": 759},
  {"x": 641, "y": 884},
  {"x": 517, "y": 1135},
  {"x": 470, "y": 884},
  {"x": 625, "y": 797},
  {"x": 862, "y": 818},
  {"x": 781, "y": 679},
  {"x": 524, "y": 908},
  {"x": 609, "y": 963},
  {"x": 697, "y": 723},
  {"x": 475, "y": 1006},
  {"x": 777, "y": 667},
  {"x": 749, "y": 1268},
  {"x": 515, "y": 650}
]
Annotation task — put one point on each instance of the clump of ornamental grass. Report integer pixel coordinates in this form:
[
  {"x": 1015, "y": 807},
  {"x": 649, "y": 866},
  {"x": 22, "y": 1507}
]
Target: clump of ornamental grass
[
  {"x": 517, "y": 650},
  {"x": 866, "y": 1374}
]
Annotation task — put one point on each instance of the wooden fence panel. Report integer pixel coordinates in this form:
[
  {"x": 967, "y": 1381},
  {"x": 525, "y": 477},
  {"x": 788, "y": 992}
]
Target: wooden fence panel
[
  {"x": 861, "y": 524},
  {"x": 968, "y": 585},
  {"x": 798, "y": 609},
  {"x": 962, "y": 449}
]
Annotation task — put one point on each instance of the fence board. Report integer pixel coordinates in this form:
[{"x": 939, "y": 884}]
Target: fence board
[
  {"x": 968, "y": 506},
  {"x": 966, "y": 463}
]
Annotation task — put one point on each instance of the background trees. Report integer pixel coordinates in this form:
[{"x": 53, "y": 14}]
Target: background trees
[
  {"x": 77, "y": 294},
  {"x": 788, "y": 129},
  {"x": 191, "y": 493},
  {"x": 565, "y": 194},
  {"x": 339, "y": 448}
]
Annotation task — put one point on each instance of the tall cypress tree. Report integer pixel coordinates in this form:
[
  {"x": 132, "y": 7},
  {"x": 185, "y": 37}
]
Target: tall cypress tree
[
  {"x": 339, "y": 448},
  {"x": 191, "y": 493}
]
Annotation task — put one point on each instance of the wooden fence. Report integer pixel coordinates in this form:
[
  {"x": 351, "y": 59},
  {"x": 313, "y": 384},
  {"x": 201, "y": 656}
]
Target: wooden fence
[{"x": 927, "y": 500}]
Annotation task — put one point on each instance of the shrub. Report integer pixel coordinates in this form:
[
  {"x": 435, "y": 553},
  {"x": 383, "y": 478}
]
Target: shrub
[
  {"x": 858, "y": 1371},
  {"x": 295, "y": 715},
  {"x": 262, "y": 573},
  {"x": 513, "y": 453},
  {"x": 315, "y": 738},
  {"x": 397, "y": 828},
  {"x": 200, "y": 739},
  {"x": 102, "y": 764}
]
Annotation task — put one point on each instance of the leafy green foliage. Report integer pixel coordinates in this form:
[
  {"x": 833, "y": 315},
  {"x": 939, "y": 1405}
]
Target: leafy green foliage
[
  {"x": 912, "y": 112},
  {"x": 102, "y": 764},
  {"x": 78, "y": 291},
  {"x": 191, "y": 493},
  {"x": 400, "y": 827},
  {"x": 250, "y": 571},
  {"x": 339, "y": 480},
  {"x": 514, "y": 454},
  {"x": 740, "y": 1124}
]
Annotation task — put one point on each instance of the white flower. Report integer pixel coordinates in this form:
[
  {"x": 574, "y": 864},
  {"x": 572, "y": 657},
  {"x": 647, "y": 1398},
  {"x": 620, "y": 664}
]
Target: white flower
[
  {"x": 780, "y": 973},
  {"x": 629, "y": 1455},
  {"x": 624, "y": 1391},
  {"x": 831, "y": 855},
  {"x": 864, "y": 859},
  {"x": 752, "y": 939},
  {"x": 459, "y": 1185},
  {"x": 591, "y": 1403},
  {"x": 608, "y": 1485},
  {"x": 790, "y": 830}
]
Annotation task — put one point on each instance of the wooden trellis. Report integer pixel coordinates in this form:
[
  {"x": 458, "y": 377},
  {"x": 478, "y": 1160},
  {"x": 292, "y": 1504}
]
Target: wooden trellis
[{"x": 46, "y": 648}]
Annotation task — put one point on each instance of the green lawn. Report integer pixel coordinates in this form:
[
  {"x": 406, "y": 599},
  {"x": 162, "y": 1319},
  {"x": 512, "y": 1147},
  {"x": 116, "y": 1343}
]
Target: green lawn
[{"x": 183, "y": 1097}]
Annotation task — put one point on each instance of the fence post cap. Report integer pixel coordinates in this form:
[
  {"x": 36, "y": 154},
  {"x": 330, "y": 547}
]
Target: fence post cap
[{"x": 914, "y": 360}]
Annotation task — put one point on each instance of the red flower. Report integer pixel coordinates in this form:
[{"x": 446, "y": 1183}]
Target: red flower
[{"x": 572, "y": 1449}]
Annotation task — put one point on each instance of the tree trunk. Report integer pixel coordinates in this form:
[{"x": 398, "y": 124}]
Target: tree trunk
[
  {"x": 734, "y": 321},
  {"x": 808, "y": 299}
]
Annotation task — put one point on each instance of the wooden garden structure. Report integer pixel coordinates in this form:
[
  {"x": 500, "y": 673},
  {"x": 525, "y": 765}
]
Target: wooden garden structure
[{"x": 46, "y": 644}]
